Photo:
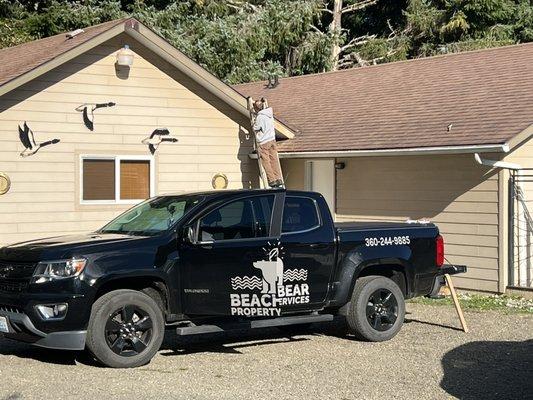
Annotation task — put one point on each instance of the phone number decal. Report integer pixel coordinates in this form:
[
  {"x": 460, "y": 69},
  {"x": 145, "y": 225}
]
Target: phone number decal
[{"x": 387, "y": 241}]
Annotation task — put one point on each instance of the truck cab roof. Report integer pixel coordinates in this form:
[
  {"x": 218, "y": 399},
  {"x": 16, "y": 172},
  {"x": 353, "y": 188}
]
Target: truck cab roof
[{"x": 241, "y": 192}]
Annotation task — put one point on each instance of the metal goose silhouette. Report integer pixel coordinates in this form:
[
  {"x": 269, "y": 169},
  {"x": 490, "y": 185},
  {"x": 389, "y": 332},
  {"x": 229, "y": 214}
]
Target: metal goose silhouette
[
  {"x": 28, "y": 141},
  {"x": 156, "y": 138},
  {"x": 88, "y": 109}
]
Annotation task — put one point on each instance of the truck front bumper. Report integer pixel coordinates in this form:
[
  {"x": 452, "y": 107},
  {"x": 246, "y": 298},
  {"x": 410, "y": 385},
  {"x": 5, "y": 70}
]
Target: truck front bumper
[
  {"x": 22, "y": 329},
  {"x": 446, "y": 269},
  {"x": 25, "y": 324}
]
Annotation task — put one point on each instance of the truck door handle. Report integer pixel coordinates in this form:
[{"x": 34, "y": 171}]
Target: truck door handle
[{"x": 319, "y": 246}]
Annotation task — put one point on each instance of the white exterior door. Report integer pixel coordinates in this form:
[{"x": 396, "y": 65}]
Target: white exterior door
[{"x": 320, "y": 177}]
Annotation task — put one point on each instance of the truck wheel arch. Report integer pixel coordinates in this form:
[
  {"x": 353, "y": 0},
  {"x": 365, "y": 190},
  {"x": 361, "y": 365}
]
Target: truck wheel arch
[
  {"x": 151, "y": 286},
  {"x": 355, "y": 266},
  {"x": 395, "y": 272}
]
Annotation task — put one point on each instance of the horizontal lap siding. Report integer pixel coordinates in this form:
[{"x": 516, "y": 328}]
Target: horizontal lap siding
[
  {"x": 460, "y": 196},
  {"x": 44, "y": 198},
  {"x": 294, "y": 173}
]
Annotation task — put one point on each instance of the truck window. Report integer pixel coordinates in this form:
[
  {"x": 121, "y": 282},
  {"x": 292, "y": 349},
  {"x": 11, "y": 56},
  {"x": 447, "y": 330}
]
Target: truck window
[
  {"x": 263, "y": 214},
  {"x": 299, "y": 214},
  {"x": 241, "y": 219},
  {"x": 152, "y": 216}
]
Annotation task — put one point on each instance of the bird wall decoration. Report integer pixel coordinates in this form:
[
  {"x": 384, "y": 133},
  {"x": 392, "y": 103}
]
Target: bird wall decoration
[
  {"x": 88, "y": 109},
  {"x": 27, "y": 139},
  {"x": 156, "y": 138}
]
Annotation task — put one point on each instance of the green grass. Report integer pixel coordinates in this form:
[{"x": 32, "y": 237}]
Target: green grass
[{"x": 478, "y": 302}]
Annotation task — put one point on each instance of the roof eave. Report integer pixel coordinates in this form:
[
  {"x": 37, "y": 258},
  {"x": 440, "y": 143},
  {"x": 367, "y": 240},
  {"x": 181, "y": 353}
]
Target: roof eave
[
  {"x": 61, "y": 59},
  {"x": 520, "y": 138},
  {"x": 467, "y": 149},
  {"x": 161, "y": 47},
  {"x": 169, "y": 53}
]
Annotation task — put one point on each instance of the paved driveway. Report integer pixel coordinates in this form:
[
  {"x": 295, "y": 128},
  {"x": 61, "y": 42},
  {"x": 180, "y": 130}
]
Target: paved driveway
[{"x": 429, "y": 359}]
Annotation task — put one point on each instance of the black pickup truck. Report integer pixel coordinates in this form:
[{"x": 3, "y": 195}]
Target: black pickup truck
[{"x": 213, "y": 261}]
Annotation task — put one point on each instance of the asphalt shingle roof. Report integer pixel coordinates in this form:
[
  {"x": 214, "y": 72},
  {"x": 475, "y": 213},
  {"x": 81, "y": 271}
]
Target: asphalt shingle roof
[
  {"x": 486, "y": 95},
  {"x": 18, "y": 60}
]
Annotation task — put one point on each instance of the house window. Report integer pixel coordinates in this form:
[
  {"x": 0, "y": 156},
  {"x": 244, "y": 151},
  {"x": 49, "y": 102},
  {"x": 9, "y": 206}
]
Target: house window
[
  {"x": 134, "y": 179},
  {"x": 116, "y": 179},
  {"x": 98, "y": 179}
]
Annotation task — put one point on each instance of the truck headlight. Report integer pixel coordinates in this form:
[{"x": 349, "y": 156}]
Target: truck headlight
[{"x": 59, "y": 269}]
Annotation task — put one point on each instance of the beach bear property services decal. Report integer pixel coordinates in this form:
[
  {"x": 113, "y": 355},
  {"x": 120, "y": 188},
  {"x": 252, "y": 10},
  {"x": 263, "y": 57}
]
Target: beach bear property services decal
[{"x": 263, "y": 295}]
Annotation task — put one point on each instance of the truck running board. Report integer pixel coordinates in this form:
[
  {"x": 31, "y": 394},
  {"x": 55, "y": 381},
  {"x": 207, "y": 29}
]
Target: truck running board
[{"x": 262, "y": 323}]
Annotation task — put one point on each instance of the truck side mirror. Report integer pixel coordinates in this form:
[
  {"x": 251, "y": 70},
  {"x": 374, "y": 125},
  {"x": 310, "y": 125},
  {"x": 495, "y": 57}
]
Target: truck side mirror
[{"x": 188, "y": 234}]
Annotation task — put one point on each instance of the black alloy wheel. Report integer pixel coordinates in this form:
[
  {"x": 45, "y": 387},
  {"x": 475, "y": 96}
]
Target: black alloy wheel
[
  {"x": 382, "y": 310},
  {"x": 376, "y": 310},
  {"x": 126, "y": 328},
  {"x": 128, "y": 331}
]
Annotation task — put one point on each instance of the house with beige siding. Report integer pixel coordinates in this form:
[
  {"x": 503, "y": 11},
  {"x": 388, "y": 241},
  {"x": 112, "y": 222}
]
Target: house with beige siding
[
  {"x": 399, "y": 141},
  {"x": 389, "y": 142},
  {"x": 101, "y": 162}
]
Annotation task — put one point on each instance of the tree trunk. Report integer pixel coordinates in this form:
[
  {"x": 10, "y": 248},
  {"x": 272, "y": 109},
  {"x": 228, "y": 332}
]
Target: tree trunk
[{"x": 335, "y": 27}]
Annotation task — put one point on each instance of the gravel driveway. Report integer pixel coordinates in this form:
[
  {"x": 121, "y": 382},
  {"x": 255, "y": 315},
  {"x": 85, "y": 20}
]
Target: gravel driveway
[{"x": 429, "y": 359}]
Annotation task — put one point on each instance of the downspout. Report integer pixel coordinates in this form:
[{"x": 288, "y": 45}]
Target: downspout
[{"x": 496, "y": 164}]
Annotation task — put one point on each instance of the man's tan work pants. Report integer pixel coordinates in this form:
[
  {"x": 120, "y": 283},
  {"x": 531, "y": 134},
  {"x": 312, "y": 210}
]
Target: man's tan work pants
[{"x": 268, "y": 153}]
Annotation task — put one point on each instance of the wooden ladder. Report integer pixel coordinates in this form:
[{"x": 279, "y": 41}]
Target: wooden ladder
[{"x": 262, "y": 173}]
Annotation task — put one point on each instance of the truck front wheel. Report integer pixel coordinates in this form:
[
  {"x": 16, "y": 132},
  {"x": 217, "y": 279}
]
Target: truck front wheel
[
  {"x": 377, "y": 309},
  {"x": 126, "y": 329}
]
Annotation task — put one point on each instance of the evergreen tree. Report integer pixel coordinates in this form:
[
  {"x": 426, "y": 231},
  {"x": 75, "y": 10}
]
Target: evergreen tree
[{"x": 244, "y": 40}]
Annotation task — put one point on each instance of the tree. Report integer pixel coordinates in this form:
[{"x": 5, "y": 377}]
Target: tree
[
  {"x": 241, "y": 40},
  {"x": 244, "y": 40},
  {"x": 236, "y": 40},
  {"x": 437, "y": 27},
  {"x": 340, "y": 45}
]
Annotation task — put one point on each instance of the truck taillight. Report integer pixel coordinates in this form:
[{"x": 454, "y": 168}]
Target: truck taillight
[{"x": 439, "y": 251}]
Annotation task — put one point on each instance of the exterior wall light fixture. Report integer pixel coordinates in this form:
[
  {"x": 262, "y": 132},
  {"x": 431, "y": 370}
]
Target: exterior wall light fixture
[
  {"x": 340, "y": 165},
  {"x": 125, "y": 57}
]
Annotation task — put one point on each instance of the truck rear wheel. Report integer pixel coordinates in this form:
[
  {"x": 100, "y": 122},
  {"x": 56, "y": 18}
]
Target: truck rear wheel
[
  {"x": 377, "y": 309},
  {"x": 126, "y": 329}
]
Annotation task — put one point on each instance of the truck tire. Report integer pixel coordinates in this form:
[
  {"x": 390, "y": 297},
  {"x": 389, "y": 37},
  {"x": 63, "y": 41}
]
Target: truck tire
[
  {"x": 126, "y": 329},
  {"x": 377, "y": 309}
]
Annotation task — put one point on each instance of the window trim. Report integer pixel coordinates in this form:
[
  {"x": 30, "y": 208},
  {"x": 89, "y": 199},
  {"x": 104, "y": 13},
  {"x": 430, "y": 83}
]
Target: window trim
[
  {"x": 196, "y": 224},
  {"x": 318, "y": 213},
  {"x": 117, "y": 159}
]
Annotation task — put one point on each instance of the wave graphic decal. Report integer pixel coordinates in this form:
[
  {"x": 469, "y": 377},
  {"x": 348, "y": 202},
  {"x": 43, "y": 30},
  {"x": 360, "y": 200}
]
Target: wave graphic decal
[
  {"x": 291, "y": 275},
  {"x": 246, "y": 282}
]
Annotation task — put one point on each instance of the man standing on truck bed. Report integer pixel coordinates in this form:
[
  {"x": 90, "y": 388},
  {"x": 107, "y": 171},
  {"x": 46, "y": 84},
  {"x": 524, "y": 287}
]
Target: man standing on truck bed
[{"x": 266, "y": 141}]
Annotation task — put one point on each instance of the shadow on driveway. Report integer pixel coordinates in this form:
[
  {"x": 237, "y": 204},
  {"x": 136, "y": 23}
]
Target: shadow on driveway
[
  {"x": 229, "y": 342},
  {"x": 489, "y": 370},
  {"x": 60, "y": 357}
]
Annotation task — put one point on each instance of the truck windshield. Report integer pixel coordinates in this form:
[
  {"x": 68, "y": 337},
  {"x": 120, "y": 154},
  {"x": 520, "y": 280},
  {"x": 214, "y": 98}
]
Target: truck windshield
[{"x": 152, "y": 216}]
